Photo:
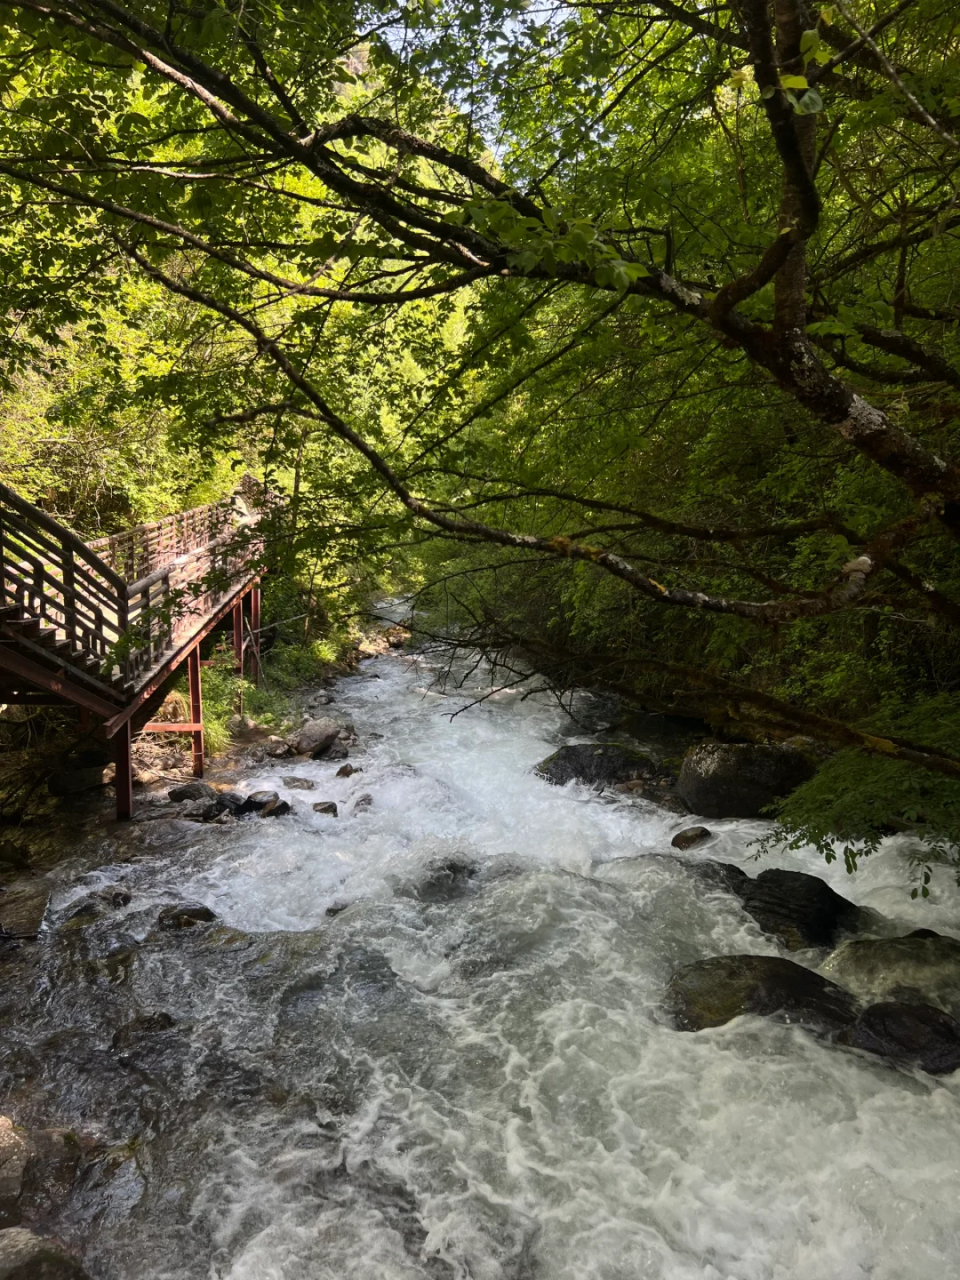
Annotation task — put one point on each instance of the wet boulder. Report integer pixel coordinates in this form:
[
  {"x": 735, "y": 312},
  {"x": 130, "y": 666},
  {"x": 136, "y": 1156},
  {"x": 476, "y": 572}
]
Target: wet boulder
[
  {"x": 327, "y": 807},
  {"x": 23, "y": 906},
  {"x": 277, "y": 747},
  {"x": 445, "y": 881},
  {"x": 598, "y": 764},
  {"x": 923, "y": 966},
  {"x": 689, "y": 837},
  {"x": 185, "y": 915},
  {"x": 709, "y": 993},
  {"x": 316, "y": 735},
  {"x": 71, "y": 782},
  {"x": 192, "y": 791},
  {"x": 205, "y": 810},
  {"x": 348, "y": 770},
  {"x": 909, "y": 1035},
  {"x": 15, "y": 1152},
  {"x": 798, "y": 909},
  {"x": 257, "y": 800},
  {"x": 299, "y": 784},
  {"x": 100, "y": 903},
  {"x": 25, "y": 1256},
  {"x": 337, "y": 750},
  {"x": 275, "y": 808},
  {"x": 37, "y": 1170},
  {"x": 740, "y": 779}
]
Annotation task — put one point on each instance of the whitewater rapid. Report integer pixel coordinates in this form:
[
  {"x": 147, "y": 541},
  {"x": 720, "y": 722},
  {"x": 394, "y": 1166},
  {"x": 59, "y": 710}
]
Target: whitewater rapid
[{"x": 366, "y": 1082}]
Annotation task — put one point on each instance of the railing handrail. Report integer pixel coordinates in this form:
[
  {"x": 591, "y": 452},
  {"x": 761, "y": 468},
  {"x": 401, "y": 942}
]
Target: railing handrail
[
  {"x": 164, "y": 522},
  {"x": 143, "y": 584},
  {"x": 63, "y": 535}
]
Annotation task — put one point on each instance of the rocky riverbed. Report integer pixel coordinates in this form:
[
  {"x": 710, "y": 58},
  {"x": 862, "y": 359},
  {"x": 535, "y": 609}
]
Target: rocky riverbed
[{"x": 405, "y": 994}]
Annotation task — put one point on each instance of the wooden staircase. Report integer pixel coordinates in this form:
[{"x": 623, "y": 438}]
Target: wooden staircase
[{"x": 102, "y": 625}]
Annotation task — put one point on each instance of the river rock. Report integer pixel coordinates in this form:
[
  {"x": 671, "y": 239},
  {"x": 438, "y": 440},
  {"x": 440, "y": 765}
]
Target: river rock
[
  {"x": 800, "y": 910},
  {"x": 922, "y": 966},
  {"x": 205, "y": 810},
  {"x": 13, "y": 856},
  {"x": 192, "y": 791},
  {"x": 316, "y": 736},
  {"x": 71, "y": 782},
  {"x": 277, "y": 747},
  {"x": 184, "y": 915},
  {"x": 15, "y": 1153},
  {"x": 595, "y": 763},
  {"x": 276, "y": 808},
  {"x": 100, "y": 903},
  {"x": 25, "y": 1256},
  {"x": 348, "y": 770},
  {"x": 363, "y": 802},
  {"x": 910, "y": 1035},
  {"x": 445, "y": 881},
  {"x": 337, "y": 750},
  {"x": 23, "y": 906},
  {"x": 739, "y": 779},
  {"x": 37, "y": 1170},
  {"x": 257, "y": 800},
  {"x": 690, "y": 836},
  {"x": 326, "y": 806},
  {"x": 710, "y": 992},
  {"x": 299, "y": 784}
]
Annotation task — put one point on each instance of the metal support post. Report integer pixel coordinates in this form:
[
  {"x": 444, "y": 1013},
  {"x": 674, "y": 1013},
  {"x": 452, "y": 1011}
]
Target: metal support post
[
  {"x": 123, "y": 778},
  {"x": 238, "y": 634},
  {"x": 255, "y": 633},
  {"x": 196, "y": 708}
]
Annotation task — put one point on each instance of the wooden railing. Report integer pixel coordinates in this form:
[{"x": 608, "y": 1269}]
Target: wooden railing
[
  {"x": 137, "y": 552},
  {"x": 91, "y": 613},
  {"x": 53, "y": 577}
]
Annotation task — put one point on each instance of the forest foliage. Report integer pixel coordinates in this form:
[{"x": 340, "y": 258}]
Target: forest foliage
[{"x": 626, "y": 334}]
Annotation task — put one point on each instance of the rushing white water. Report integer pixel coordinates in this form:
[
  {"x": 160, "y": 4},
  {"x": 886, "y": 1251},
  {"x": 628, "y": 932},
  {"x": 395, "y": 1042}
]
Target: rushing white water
[{"x": 480, "y": 1084}]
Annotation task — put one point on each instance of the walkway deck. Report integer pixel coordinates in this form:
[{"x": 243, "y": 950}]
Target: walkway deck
[{"x": 102, "y": 625}]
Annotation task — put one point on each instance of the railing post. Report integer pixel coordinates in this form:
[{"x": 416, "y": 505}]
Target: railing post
[
  {"x": 196, "y": 708},
  {"x": 69, "y": 597},
  {"x": 123, "y": 623}
]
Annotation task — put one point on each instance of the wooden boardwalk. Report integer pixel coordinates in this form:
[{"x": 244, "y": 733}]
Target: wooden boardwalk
[{"x": 103, "y": 625}]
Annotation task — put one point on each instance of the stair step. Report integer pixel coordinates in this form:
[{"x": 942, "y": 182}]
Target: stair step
[{"x": 29, "y": 627}]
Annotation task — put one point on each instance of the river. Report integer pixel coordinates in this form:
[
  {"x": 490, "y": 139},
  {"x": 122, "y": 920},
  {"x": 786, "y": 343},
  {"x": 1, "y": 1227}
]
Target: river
[{"x": 372, "y": 1069}]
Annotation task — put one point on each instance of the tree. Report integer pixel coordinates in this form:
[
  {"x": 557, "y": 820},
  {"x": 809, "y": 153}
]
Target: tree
[{"x": 751, "y": 207}]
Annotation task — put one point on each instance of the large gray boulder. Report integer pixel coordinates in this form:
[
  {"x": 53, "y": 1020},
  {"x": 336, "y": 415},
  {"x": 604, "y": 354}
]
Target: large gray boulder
[
  {"x": 923, "y": 966},
  {"x": 316, "y": 736},
  {"x": 24, "y": 1256},
  {"x": 596, "y": 764},
  {"x": 739, "y": 779},
  {"x": 798, "y": 909},
  {"x": 711, "y": 992},
  {"x": 908, "y": 1035}
]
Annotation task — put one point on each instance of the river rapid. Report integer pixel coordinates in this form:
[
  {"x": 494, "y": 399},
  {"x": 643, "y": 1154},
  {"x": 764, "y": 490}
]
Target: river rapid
[{"x": 425, "y": 1040}]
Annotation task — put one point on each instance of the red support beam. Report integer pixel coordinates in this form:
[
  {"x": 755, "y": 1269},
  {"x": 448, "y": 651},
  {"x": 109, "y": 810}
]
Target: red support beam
[
  {"x": 238, "y": 634},
  {"x": 255, "y": 632},
  {"x": 196, "y": 708},
  {"x": 123, "y": 779},
  {"x": 170, "y": 726}
]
